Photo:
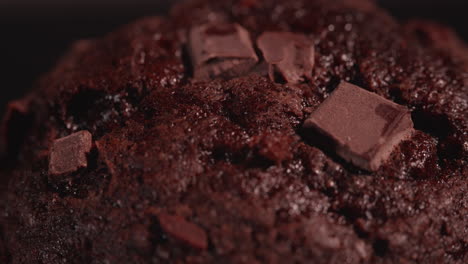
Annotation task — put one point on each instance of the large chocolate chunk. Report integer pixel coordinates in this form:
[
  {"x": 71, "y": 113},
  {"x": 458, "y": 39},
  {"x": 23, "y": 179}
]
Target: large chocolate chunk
[
  {"x": 220, "y": 50},
  {"x": 288, "y": 54},
  {"x": 363, "y": 126},
  {"x": 68, "y": 154},
  {"x": 182, "y": 230}
]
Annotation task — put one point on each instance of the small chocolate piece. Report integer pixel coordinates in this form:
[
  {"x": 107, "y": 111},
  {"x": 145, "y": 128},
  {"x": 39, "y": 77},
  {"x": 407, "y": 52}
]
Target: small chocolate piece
[
  {"x": 364, "y": 127},
  {"x": 68, "y": 154},
  {"x": 183, "y": 230},
  {"x": 221, "y": 50},
  {"x": 288, "y": 54}
]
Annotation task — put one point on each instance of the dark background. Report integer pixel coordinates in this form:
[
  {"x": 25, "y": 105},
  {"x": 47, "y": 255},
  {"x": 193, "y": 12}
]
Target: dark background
[{"x": 34, "y": 33}]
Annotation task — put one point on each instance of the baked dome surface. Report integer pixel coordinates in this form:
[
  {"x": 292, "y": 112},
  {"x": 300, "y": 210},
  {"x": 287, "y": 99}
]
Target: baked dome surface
[{"x": 226, "y": 160}]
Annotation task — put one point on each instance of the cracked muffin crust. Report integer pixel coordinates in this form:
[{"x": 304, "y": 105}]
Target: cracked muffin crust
[{"x": 221, "y": 170}]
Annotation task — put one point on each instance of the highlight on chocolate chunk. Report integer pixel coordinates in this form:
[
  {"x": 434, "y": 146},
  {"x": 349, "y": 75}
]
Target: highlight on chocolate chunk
[
  {"x": 288, "y": 55},
  {"x": 221, "y": 50},
  {"x": 68, "y": 154},
  {"x": 363, "y": 127}
]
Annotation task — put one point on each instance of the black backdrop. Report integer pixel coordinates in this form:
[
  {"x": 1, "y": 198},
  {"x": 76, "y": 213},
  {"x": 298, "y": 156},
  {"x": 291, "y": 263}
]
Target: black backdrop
[{"x": 33, "y": 34}]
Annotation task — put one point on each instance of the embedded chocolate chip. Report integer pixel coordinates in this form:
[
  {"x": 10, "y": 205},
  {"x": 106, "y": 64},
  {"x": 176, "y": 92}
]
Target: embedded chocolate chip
[
  {"x": 182, "y": 230},
  {"x": 68, "y": 154},
  {"x": 288, "y": 54},
  {"x": 363, "y": 127},
  {"x": 221, "y": 50}
]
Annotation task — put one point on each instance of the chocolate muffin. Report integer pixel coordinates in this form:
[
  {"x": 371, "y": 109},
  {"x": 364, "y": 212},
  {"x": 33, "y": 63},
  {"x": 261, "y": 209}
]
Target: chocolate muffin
[{"x": 244, "y": 131}]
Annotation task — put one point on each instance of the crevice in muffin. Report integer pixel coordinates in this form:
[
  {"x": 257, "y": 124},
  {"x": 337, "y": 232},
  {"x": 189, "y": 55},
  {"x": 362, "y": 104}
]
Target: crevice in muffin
[
  {"x": 380, "y": 247},
  {"x": 5, "y": 255},
  {"x": 98, "y": 111},
  {"x": 16, "y": 128}
]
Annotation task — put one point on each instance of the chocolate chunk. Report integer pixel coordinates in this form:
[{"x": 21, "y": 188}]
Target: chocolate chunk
[
  {"x": 288, "y": 54},
  {"x": 363, "y": 126},
  {"x": 68, "y": 154},
  {"x": 181, "y": 229},
  {"x": 221, "y": 50}
]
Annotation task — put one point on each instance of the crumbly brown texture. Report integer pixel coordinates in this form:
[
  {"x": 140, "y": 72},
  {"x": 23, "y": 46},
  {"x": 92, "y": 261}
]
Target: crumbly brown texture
[{"x": 228, "y": 159}]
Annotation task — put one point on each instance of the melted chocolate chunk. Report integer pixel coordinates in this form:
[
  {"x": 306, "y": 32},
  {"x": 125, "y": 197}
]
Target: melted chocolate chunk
[
  {"x": 288, "y": 54},
  {"x": 221, "y": 51},
  {"x": 363, "y": 126},
  {"x": 183, "y": 230},
  {"x": 68, "y": 154}
]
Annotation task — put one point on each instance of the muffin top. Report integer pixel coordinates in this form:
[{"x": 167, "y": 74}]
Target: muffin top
[{"x": 244, "y": 131}]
